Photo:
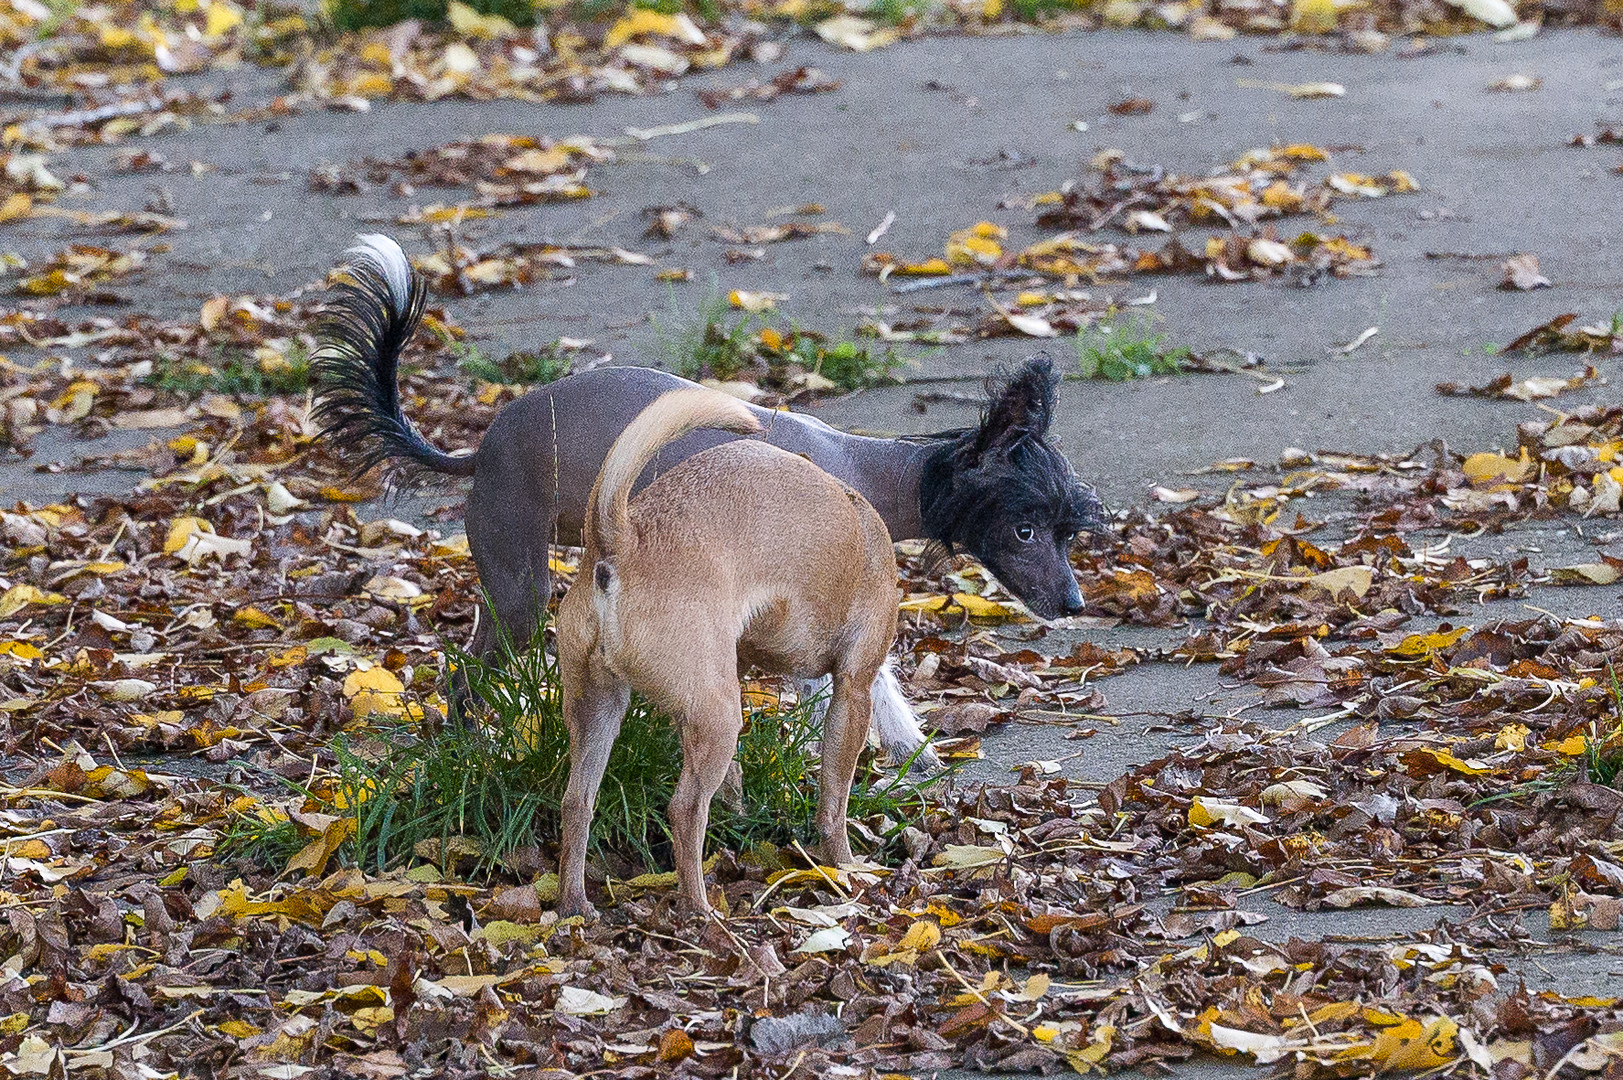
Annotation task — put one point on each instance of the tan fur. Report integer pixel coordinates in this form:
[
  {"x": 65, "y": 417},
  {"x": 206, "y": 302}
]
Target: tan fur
[{"x": 742, "y": 555}]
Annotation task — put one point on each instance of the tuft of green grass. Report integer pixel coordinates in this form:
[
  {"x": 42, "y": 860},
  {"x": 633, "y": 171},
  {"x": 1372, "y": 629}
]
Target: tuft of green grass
[
  {"x": 499, "y": 784},
  {"x": 233, "y": 373},
  {"x": 714, "y": 343},
  {"x": 900, "y": 12},
  {"x": 1037, "y": 10},
  {"x": 547, "y": 365},
  {"x": 267, "y": 841},
  {"x": 365, "y": 14},
  {"x": 1128, "y": 348},
  {"x": 1603, "y": 757},
  {"x": 718, "y": 342}
]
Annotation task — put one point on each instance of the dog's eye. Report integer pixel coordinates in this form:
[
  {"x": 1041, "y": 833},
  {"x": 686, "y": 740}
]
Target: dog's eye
[
  {"x": 1069, "y": 539},
  {"x": 1025, "y": 533}
]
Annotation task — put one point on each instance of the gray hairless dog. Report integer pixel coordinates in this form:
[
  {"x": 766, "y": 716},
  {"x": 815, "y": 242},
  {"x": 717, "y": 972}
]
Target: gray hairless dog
[{"x": 999, "y": 490}]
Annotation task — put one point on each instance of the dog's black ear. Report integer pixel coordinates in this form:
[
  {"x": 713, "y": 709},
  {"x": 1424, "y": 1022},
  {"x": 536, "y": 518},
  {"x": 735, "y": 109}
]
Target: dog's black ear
[{"x": 1022, "y": 406}]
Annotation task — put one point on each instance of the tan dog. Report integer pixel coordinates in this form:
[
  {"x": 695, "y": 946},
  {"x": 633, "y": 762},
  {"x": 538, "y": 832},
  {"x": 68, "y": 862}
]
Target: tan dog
[{"x": 743, "y": 554}]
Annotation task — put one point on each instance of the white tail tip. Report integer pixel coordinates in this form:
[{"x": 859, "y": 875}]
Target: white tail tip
[{"x": 391, "y": 263}]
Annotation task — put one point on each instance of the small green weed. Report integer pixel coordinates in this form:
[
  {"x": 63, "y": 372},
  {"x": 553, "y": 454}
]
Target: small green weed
[
  {"x": 233, "y": 373},
  {"x": 362, "y": 14},
  {"x": 1603, "y": 757},
  {"x": 1601, "y": 763},
  {"x": 721, "y": 343},
  {"x": 900, "y": 12},
  {"x": 1037, "y": 10},
  {"x": 714, "y": 345},
  {"x": 500, "y": 784},
  {"x": 267, "y": 840},
  {"x": 547, "y": 365},
  {"x": 1128, "y": 348}
]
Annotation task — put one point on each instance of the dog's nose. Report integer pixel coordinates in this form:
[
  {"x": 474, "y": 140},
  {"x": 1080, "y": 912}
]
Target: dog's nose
[{"x": 1074, "y": 604}]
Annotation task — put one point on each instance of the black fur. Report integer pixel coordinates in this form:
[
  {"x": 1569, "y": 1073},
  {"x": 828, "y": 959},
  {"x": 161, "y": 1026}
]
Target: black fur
[
  {"x": 361, "y": 335},
  {"x": 986, "y": 488}
]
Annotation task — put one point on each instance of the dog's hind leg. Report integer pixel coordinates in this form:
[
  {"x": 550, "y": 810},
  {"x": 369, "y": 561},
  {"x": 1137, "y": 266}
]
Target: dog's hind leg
[
  {"x": 845, "y": 732},
  {"x": 594, "y": 704},
  {"x": 710, "y": 724}
]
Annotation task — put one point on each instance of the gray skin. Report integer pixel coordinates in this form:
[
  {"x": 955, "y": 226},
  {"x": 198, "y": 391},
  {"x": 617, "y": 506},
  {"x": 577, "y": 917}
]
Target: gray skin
[{"x": 538, "y": 461}]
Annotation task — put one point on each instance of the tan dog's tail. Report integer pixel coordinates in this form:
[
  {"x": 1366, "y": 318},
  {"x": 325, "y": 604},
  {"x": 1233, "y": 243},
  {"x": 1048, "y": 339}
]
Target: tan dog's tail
[{"x": 671, "y": 416}]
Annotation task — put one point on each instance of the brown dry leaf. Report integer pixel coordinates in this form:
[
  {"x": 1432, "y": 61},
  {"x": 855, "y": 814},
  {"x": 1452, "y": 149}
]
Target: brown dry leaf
[{"x": 1522, "y": 273}]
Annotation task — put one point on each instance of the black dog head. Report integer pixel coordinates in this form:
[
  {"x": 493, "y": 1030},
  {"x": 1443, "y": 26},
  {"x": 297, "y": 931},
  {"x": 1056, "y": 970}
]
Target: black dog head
[{"x": 1004, "y": 494}]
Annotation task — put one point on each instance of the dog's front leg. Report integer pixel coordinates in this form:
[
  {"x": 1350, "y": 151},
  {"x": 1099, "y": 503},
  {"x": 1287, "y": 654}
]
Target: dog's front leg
[
  {"x": 594, "y": 702},
  {"x": 710, "y": 729}
]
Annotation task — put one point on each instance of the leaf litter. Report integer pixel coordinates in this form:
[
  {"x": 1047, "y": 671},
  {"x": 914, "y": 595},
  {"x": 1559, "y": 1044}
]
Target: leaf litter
[{"x": 236, "y": 608}]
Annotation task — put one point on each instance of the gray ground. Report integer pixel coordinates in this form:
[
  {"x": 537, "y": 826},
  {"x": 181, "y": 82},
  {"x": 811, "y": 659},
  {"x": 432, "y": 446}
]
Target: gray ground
[{"x": 918, "y": 129}]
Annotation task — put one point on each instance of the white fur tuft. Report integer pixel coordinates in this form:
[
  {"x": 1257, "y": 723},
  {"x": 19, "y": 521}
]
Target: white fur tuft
[
  {"x": 390, "y": 262},
  {"x": 892, "y": 724}
]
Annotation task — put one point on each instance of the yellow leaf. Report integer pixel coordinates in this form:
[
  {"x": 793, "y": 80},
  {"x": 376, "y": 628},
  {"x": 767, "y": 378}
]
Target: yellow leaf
[
  {"x": 314, "y": 856},
  {"x": 238, "y": 1029},
  {"x": 222, "y": 18},
  {"x": 754, "y": 301},
  {"x": 536, "y": 160},
  {"x": 22, "y": 650},
  {"x": 641, "y": 21},
  {"x": 18, "y": 205},
  {"x": 1571, "y": 746},
  {"x": 375, "y": 690},
  {"x": 1409, "y": 1046},
  {"x": 20, "y": 596},
  {"x": 1426, "y": 644},
  {"x": 115, "y": 37},
  {"x": 976, "y": 606},
  {"x": 214, "y": 309},
  {"x": 1493, "y": 470},
  {"x": 1084, "y": 1060},
  {"x": 1459, "y": 765},
  {"x": 181, "y": 530},
  {"x": 977, "y": 244},
  {"x": 1512, "y": 737},
  {"x": 465, "y": 20},
  {"x": 253, "y": 617},
  {"x": 921, "y": 936}
]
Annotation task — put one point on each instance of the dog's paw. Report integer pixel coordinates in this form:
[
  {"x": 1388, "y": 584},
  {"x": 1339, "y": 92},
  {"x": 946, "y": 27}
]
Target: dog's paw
[{"x": 569, "y": 907}]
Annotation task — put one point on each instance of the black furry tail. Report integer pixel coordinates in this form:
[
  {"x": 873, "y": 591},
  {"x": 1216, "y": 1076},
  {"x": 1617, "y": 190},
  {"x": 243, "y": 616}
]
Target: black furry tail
[{"x": 373, "y": 314}]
